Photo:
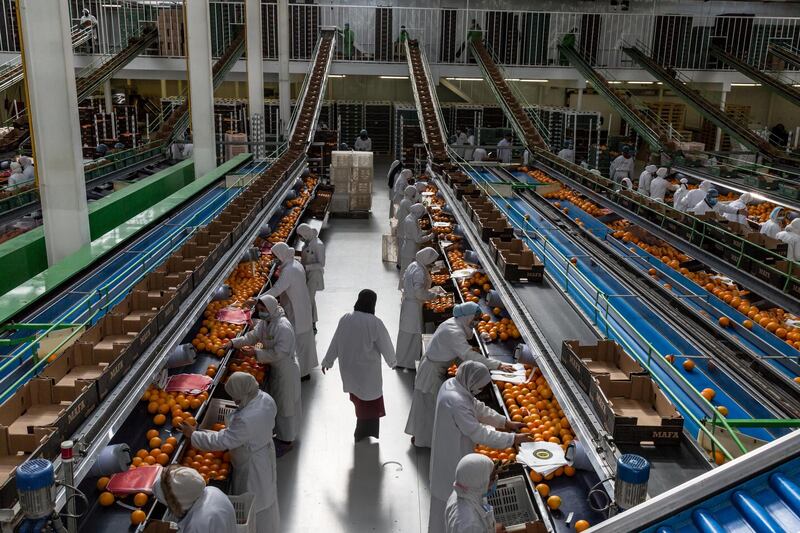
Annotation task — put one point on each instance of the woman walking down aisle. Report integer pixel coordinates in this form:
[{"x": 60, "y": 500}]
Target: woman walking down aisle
[
  {"x": 462, "y": 421},
  {"x": 359, "y": 342},
  {"x": 275, "y": 334},
  {"x": 416, "y": 290},
  {"x": 313, "y": 260},
  {"x": 293, "y": 292},
  {"x": 248, "y": 436},
  {"x": 448, "y": 342}
]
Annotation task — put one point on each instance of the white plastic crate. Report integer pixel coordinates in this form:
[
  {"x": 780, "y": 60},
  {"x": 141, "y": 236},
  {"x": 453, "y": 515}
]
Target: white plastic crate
[
  {"x": 245, "y": 512},
  {"x": 512, "y": 503},
  {"x": 340, "y": 159},
  {"x": 341, "y": 174},
  {"x": 362, "y": 159},
  {"x": 216, "y": 412},
  {"x": 360, "y": 202},
  {"x": 340, "y": 203},
  {"x": 362, "y": 174},
  {"x": 361, "y": 187}
]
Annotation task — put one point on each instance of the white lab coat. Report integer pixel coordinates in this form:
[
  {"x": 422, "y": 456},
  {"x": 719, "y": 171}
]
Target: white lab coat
[
  {"x": 212, "y": 511},
  {"x": 462, "y": 516},
  {"x": 793, "y": 241},
  {"x": 479, "y": 154},
  {"x": 449, "y": 342},
  {"x": 733, "y": 215},
  {"x": 292, "y": 290},
  {"x": 313, "y": 260},
  {"x": 399, "y": 190},
  {"x": 771, "y": 228},
  {"x": 692, "y": 198},
  {"x": 416, "y": 290},
  {"x": 504, "y": 151},
  {"x": 621, "y": 168},
  {"x": 644, "y": 183},
  {"x": 461, "y": 140},
  {"x": 702, "y": 208},
  {"x": 18, "y": 179},
  {"x": 409, "y": 237},
  {"x": 469, "y": 148},
  {"x": 462, "y": 421},
  {"x": 362, "y": 145},
  {"x": 27, "y": 172},
  {"x": 248, "y": 436},
  {"x": 278, "y": 351},
  {"x": 358, "y": 343},
  {"x": 659, "y": 187},
  {"x": 567, "y": 154},
  {"x": 402, "y": 209},
  {"x": 678, "y": 196}
]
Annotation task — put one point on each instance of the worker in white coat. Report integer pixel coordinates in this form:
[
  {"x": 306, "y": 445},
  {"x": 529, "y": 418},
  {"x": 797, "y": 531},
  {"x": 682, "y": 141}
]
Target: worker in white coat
[
  {"x": 248, "y": 437},
  {"x": 467, "y": 508},
  {"x": 449, "y": 341},
  {"x": 740, "y": 206},
  {"x": 645, "y": 178},
  {"x": 469, "y": 146},
  {"x": 400, "y": 184},
  {"x": 416, "y": 291},
  {"x": 27, "y": 168},
  {"x": 292, "y": 290},
  {"x": 680, "y": 194},
  {"x": 410, "y": 236},
  {"x": 791, "y": 236},
  {"x": 272, "y": 342},
  {"x": 622, "y": 166},
  {"x": 313, "y": 260},
  {"x": 504, "y": 149},
  {"x": 17, "y": 177},
  {"x": 360, "y": 340},
  {"x": 479, "y": 154},
  {"x": 695, "y": 196},
  {"x": 394, "y": 171},
  {"x": 711, "y": 203},
  {"x": 567, "y": 153},
  {"x": 462, "y": 421},
  {"x": 363, "y": 142},
  {"x": 410, "y": 197},
  {"x": 659, "y": 186},
  {"x": 772, "y": 227},
  {"x": 195, "y": 507}
]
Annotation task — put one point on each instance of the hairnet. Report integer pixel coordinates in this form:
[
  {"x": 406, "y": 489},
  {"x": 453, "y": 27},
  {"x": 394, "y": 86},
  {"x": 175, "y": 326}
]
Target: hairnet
[
  {"x": 270, "y": 302},
  {"x": 466, "y": 309},
  {"x": 662, "y": 172},
  {"x": 472, "y": 476},
  {"x": 794, "y": 226},
  {"x": 25, "y": 161},
  {"x": 306, "y": 232},
  {"x": 410, "y": 192},
  {"x": 180, "y": 487},
  {"x": 746, "y": 198},
  {"x": 651, "y": 168},
  {"x": 366, "y": 302},
  {"x": 626, "y": 149},
  {"x": 472, "y": 375},
  {"x": 775, "y": 214},
  {"x": 684, "y": 181},
  {"x": 596, "y": 171},
  {"x": 705, "y": 185},
  {"x": 363, "y": 132},
  {"x": 421, "y": 186},
  {"x": 241, "y": 387},
  {"x": 283, "y": 251},
  {"x": 15, "y": 166},
  {"x": 426, "y": 256},
  {"x": 405, "y": 174},
  {"x": 417, "y": 210}
]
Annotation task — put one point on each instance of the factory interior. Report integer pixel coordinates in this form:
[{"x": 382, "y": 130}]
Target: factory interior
[{"x": 275, "y": 266}]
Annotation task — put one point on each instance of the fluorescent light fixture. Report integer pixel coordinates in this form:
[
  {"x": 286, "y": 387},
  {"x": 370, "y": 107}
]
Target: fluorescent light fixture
[
  {"x": 464, "y": 79},
  {"x": 796, "y": 85},
  {"x": 532, "y": 81},
  {"x": 393, "y": 77},
  {"x": 336, "y": 75},
  {"x": 614, "y": 82},
  {"x": 640, "y": 83},
  {"x": 745, "y": 85},
  {"x": 111, "y": 5}
]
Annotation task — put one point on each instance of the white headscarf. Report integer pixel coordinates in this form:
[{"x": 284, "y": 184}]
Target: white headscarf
[
  {"x": 417, "y": 210},
  {"x": 746, "y": 198},
  {"x": 307, "y": 232},
  {"x": 242, "y": 388},
  {"x": 651, "y": 169},
  {"x": 283, "y": 252},
  {"x": 426, "y": 256},
  {"x": 273, "y": 307},
  {"x": 472, "y": 481},
  {"x": 794, "y": 226},
  {"x": 16, "y": 167},
  {"x": 472, "y": 375},
  {"x": 410, "y": 193},
  {"x": 705, "y": 185},
  {"x": 178, "y": 488},
  {"x": 662, "y": 172}
]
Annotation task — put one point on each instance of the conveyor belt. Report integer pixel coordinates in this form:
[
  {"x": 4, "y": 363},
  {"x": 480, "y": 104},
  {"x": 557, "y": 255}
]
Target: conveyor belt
[
  {"x": 785, "y": 52},
  {"x": 756, "y": 493},
  {"x": 433, "y": 131},
  {"x": 776, "y": 85}
]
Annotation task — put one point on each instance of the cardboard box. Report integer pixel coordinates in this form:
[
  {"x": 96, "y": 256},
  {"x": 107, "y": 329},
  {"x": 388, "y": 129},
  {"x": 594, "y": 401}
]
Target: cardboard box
[
  {"x": 757, "y": 245},
  {"x": 30, "y": 414},
  {"x": 139, "y": 309},
  {"x": 605, "y": 357},
  {"x": 11, "y": 457},
  {"x": 109, "y": 338},
  {"x": 516, "y": 260},
  {"x": 73, "y": 372},
  {"x": 495, "y": 227},
  {"x": 635, "y": 411}
]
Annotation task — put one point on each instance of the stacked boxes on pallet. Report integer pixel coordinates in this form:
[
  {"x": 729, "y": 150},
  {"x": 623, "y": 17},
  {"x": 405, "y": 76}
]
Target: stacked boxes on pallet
[{"x": 351, "y": 175}]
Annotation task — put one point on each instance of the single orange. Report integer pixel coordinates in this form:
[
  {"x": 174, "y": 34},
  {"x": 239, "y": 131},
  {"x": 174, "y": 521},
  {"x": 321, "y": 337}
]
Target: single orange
[
  {"x": 688, "y": 365},
  {"x": 159, "y": 420},
  {"x": 106, "y": 499},
  {"x": 102, "y": 483},
  {"x": 140, "y": 499},
  {"x": 137, "y": 517},
  {"x": 543, "y": 489},
  {"x": 581, "y": 525}
]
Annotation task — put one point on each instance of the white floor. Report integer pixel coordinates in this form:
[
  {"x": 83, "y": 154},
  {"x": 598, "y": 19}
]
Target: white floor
[{"x": 328, "y": 483}]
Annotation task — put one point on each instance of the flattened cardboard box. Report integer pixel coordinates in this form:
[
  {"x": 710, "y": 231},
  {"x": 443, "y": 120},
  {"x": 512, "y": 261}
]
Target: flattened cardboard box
[{"x": 606, "y": 357}]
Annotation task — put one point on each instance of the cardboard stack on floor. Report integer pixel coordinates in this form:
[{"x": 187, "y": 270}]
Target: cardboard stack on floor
[{"x": 351, "y": 175}]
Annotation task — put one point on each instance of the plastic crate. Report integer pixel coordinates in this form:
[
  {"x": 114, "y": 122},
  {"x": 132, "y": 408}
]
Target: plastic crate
[
  {"x": 342, "y": 159},
  {"x": 245, "y": 512},
  {"x": 362, "y": 159},
  {"x": 360, "y": 202},
  {"x": 361, "y": 187},
  {"x": 363, "y": 174},
  {"x": 216, "y": 412},
  {"x": 512, "y": 503},
  {"x": 340, "y": 203}
]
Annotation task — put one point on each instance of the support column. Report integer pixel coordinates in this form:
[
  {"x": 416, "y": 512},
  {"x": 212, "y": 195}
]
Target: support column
[
  {"x": 255, "y": 76},
  {"x": 284, "y": 84},
  {"x": 107, "y": 95},
  {"x": 46, "y": 42},
  {"x": 581, "y": 87},
  {"x": 201, "y": 85},
  {"x": 726, "y": 87},
  {"x": 163, "y": 88}
]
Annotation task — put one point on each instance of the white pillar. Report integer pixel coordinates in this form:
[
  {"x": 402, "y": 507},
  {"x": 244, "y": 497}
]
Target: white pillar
[
  {"x": 201, "y": 86},
  {"x": 163, "y": 88},
  {"x": 53, "y": 115},
  {"x": 284, "y": 85},
  {"x": 255, "y": 75},
  {"x": 726, "y": 87},
  {"x": 107, "y": 96},
  {"x": 579, "y": 105}
]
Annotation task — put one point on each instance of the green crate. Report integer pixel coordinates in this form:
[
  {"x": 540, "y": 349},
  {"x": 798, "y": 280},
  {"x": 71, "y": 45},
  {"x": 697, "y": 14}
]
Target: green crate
[{"x": 788, "y": 191}]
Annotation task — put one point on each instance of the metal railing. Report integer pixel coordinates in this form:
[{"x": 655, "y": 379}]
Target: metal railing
[{"x": 520, "y": 38}]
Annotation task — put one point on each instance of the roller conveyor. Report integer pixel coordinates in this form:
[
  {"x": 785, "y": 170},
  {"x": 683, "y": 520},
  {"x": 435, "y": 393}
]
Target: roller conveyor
[
  {"x": 785, "y": 52},
  {"x": 433, "y": 132},
  {"x": 779, "y": 87}
]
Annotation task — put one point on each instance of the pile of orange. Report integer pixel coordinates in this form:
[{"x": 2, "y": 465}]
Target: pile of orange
[
  {"x": 508, "y": 455},
  {"x": 285, "y": 226},
  {"x": 440, "y": 304},
  {"x": 249, "y": 365},
  {"x": 210, "y": 465},
  {"x": 439, "y": 279},
  {"x": 305, "y": 194},
  {"x": 567, "y": 194},
  {"x": 160, "y": 450},
  {"x": 503, "y": 330},
  {"x": 161, "y": 404},
  {"x": 451, "y": 370},
  {"x": 472, "y": 287},
  {"x": 538, "y": 175}
]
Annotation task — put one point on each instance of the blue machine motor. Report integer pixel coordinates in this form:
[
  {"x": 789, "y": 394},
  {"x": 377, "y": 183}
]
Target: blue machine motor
[
  {"x": 630, "y": 487},
  {"x": 36, "y": 482}
]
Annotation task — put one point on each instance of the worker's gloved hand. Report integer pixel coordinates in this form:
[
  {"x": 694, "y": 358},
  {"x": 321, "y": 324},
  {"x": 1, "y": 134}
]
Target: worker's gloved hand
[
  {"x": 428, "y": 237},
  {"x": 514, "y": 426},
  {"x": 506, "y": 368},
  {"x": 519, "y": 438},
  {"x": 248, "y": 350},
  {"x": 485, "y": 337}
]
